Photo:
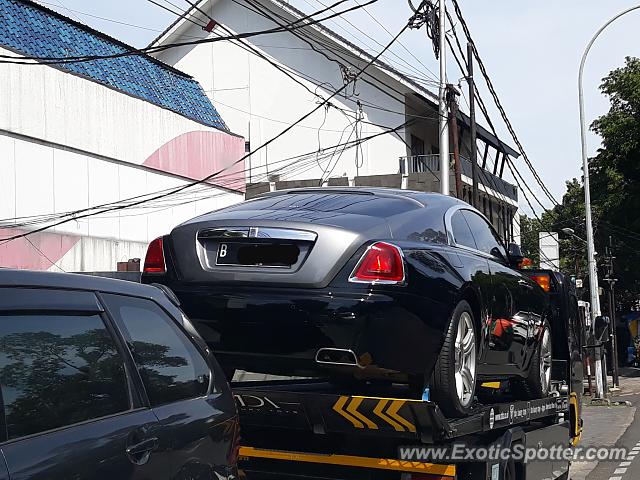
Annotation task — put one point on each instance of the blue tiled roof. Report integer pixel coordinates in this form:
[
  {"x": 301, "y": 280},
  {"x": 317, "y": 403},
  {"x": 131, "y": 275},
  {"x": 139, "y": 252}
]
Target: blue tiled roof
[{"x": 36, "y": 31}]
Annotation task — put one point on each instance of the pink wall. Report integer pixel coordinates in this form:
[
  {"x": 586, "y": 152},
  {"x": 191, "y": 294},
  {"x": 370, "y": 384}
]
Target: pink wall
[
  {"x": 196, "y": 155},
  {"x": 193, "y": 155},
  {"x": 23, "y": 253}
]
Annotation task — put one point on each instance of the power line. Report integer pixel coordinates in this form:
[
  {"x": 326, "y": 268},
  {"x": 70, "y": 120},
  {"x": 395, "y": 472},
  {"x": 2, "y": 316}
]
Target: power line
[
  {"x": 399, "y": 43},
  {"x": 355, "y": 27},
  {"x": 45, "y": 256},
  {"x": 309, "y": 38},
  {"x": 39, "y": 219},
  {"x": 168, "y": 192},
  {"x": 116, "y": 206},
  {"x": 483, "y": 108},
  {"x": 485, "y": 112},
  {"x": 307, "y": 19},
  {"x": 499, "y": 104},
  {"x": 110, "y": 20},
  {"x": 176, "y": 13}
]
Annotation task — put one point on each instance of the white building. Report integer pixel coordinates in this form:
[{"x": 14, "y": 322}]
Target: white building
[
  {"x": 266, "y": 82},
  {"x": 79, "y": 135}
]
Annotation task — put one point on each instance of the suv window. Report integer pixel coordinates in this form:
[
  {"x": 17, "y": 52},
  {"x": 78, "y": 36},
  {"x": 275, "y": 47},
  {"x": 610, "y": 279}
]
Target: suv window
[
  {"x": 57, "y": 370},
  {"x": 170, "y": 365},
  {"x": 487, "y": 240},
  {"x": 461, "y": 231}
]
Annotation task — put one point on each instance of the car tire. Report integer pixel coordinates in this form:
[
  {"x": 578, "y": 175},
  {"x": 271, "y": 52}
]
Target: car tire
[
  {"x": 537, "y": 383},
  {"x": 453, "y": 381}
]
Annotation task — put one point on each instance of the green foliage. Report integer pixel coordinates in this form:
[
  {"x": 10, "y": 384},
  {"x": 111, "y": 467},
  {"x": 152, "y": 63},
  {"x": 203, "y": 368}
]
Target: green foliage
[{"x": 615, "y": 192}]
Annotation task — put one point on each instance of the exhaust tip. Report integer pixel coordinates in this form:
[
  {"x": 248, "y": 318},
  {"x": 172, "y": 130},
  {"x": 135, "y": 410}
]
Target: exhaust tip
[{"x": 336, "y": 356}]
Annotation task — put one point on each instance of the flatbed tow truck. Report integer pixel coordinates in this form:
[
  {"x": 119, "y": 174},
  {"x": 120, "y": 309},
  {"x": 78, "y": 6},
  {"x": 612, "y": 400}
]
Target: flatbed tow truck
[{"x": 312, "y": 429}]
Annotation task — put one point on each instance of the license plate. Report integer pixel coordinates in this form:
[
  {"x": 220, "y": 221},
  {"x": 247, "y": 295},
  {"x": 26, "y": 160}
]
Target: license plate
[{"x": 257, "y": 255}]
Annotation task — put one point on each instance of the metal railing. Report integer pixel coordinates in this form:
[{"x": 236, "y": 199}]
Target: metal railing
[
  {"x": 419, "y": 164},
  {"x": 431, "y": 164}
]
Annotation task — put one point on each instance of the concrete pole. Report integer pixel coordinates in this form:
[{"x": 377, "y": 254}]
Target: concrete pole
[
  {"x": 444, "y": 115},
  {"x": 591, "y": 251}
]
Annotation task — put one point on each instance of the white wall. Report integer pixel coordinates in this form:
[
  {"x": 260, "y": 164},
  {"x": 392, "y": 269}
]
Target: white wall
[
  {"x": 258, "y": 101},
  {"x": 58, "y": 107},
  {"x": 67, "y": 143},
  {"x": 42, "y": 179}
]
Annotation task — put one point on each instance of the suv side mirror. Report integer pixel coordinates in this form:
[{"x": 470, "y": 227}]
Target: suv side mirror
[{"x": 514, "y": 254}]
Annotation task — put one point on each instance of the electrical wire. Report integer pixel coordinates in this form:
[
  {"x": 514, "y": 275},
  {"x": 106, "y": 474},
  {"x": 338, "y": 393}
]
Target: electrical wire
[
  {"x": 485, "y": 112},
  {"x": 179, "y": 13},
  {"x": 483, "y": 108},
  {"x": 45, "y": 256},
  {"x": 106, "y": 19},
  {"x": 301, "y": 22},
  {"x": 116, "y": 206},
  {"x": 362, "y": 32},
  {"x": 498, "y": 103},
  {"x": 340, "y": 55},
  {"x": 399, "y": 43}
]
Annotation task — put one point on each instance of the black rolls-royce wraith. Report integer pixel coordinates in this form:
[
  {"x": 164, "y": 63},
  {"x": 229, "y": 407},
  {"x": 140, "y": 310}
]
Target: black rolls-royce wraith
[{"x": 363, "y": 283}]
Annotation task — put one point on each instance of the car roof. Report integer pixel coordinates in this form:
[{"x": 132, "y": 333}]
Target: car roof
[
  {"x": 34, "y": 279},
  {"x": 424, "y": 198},
  {"x": 431, "y": 200}
]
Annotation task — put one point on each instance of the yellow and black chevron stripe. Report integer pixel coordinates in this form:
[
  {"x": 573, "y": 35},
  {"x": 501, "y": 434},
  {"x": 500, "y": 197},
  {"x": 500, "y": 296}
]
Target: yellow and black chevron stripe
[{"x": 385, "y": 412}]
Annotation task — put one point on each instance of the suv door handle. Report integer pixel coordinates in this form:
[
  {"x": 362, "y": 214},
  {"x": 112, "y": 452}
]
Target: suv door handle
[
  {"x": 525, "y": 284},
  {"x": 139, "y": 453}
]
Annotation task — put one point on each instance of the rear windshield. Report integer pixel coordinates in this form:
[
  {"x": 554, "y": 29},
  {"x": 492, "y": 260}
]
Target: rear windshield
[{"x": 347, "y": 203}]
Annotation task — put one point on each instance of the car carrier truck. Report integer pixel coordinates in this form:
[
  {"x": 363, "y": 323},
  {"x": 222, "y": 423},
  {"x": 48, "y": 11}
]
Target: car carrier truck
[{"x": 313, "y": 429}]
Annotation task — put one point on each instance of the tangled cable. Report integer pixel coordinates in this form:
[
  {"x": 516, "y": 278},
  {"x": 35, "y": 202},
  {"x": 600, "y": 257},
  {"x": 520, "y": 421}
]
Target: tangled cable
[{"x": 427, "y": 14}]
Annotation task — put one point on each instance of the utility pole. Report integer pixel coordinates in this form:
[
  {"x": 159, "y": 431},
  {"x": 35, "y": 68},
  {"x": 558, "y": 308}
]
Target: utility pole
[
  {"x": 591, "y": 251},
  {"x": 444, "y": 117},
  {"x": 612, "y": 313},
  {"x": 453, "y": 126},
  {"x": 472, "y": 122}
]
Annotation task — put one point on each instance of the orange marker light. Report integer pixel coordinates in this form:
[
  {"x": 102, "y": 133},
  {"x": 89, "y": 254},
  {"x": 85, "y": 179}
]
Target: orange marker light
[{"x": 543, "y": 280}]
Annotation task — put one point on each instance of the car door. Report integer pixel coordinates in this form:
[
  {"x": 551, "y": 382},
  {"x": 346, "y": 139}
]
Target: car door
[
  {"x": 69, "y": 407},
  {"x": 508, "y": 329},
  {"x": 475, "y": 267},
  {"x": 195, "y": 410}
]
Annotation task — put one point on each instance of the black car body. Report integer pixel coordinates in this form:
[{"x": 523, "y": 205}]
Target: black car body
[
  {"x": 270, "y": 284},
  {"x": 105, "y": 379}
]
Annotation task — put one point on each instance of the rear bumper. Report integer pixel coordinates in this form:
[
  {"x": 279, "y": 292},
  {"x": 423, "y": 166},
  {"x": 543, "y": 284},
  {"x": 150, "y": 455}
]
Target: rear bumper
[{"x": 279, "y": 331}]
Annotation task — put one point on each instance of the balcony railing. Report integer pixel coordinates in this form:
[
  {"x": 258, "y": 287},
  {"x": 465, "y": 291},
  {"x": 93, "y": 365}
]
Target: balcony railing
[{"x": 431, "y": 163}]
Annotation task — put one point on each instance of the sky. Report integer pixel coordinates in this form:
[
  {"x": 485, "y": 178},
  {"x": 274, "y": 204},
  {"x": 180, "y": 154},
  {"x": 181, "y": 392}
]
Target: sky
[{"x": 531, "y": 50}]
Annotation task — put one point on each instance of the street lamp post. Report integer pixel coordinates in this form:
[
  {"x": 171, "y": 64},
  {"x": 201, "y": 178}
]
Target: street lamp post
[{"x": 591, "y": 251}]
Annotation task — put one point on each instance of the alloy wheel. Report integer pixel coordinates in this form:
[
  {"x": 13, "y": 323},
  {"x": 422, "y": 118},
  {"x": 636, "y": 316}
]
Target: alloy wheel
[
  {"x": 465, "y": 355},
  {"x": 545, "y": 361}
]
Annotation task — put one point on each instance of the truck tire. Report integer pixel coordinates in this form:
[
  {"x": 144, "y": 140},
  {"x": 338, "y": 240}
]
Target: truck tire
[
  {"x": 453, "y": 381},
  {"x": 537, "y": 383}
]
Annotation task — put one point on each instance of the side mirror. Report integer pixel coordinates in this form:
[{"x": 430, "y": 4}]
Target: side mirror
[{"x": 514, "y": 254}]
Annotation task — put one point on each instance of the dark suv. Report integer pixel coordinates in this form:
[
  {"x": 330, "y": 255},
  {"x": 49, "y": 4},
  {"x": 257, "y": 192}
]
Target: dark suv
[{"x": 104, "y": 379}]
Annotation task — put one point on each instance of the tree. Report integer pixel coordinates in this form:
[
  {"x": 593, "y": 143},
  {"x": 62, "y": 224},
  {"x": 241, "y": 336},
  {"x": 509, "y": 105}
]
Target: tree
[
  {"x": 615, "y": 192},
  {"x": 616, "y": 177}
]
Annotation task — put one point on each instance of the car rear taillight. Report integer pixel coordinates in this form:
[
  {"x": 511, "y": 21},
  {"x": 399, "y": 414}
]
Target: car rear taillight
[
  {"x": 154, "y": 260},
  {"x": 381, "y": 263}
]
